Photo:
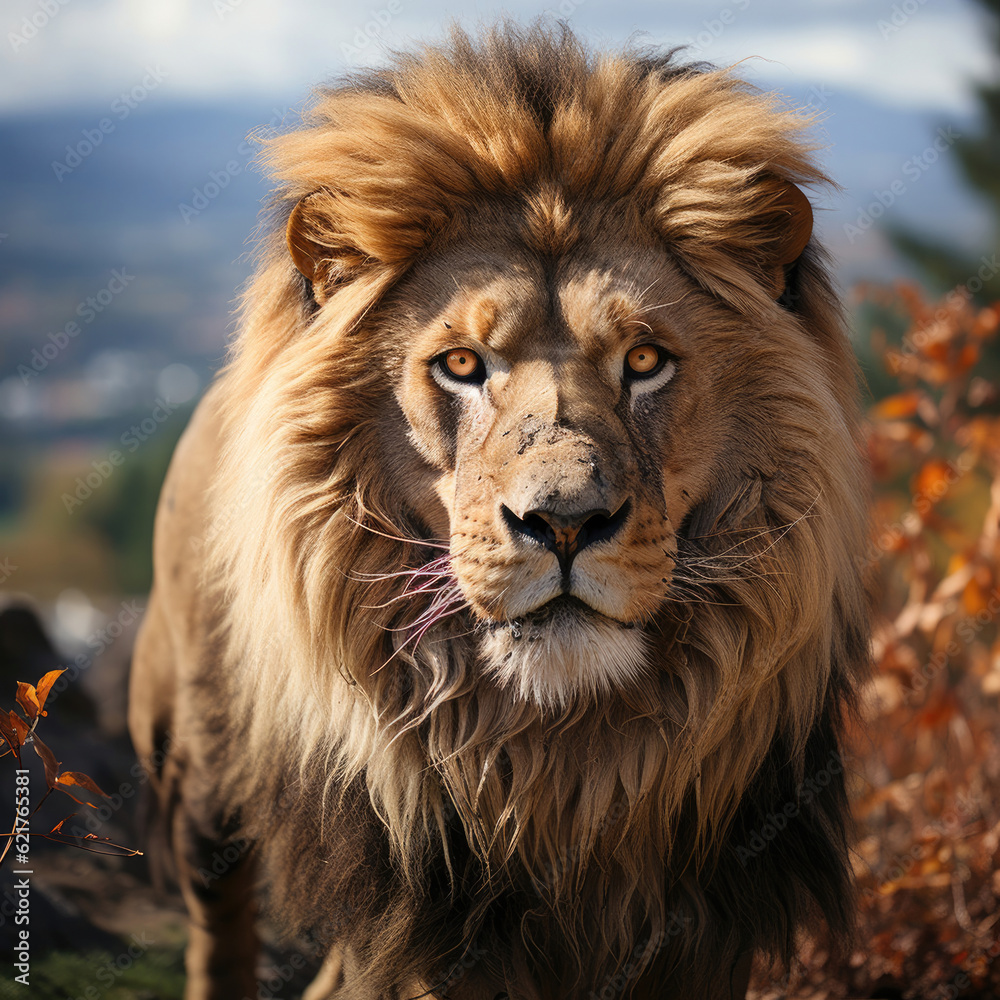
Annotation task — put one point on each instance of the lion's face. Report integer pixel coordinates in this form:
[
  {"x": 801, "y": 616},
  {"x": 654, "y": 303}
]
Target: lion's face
[{"x": 573, "y": 411}]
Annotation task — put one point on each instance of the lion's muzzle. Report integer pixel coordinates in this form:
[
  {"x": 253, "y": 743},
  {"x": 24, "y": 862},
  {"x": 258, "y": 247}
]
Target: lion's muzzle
[{"x": 564, "y": 532}]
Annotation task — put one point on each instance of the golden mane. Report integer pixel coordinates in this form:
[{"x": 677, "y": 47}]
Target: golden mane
[{"x": 766, "y": 635}]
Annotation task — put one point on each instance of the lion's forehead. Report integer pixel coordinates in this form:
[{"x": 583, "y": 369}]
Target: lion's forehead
[{"x": 523, "y": 308}]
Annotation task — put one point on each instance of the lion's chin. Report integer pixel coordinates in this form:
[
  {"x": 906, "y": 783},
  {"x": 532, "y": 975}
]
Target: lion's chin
[{"x": 562, "y": 652}]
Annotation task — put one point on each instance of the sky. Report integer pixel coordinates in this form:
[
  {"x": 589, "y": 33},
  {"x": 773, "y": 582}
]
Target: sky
[{"x": 912, "y": 54}]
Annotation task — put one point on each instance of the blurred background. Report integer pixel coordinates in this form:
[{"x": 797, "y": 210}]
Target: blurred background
[
  {"x": 124, "y": 134},
  {"x": 128, "y": 201}
]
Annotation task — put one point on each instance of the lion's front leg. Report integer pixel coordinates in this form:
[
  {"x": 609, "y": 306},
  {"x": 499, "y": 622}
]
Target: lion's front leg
[
  {"x": 222, "y": 943},
  {"x": 330, "y": 977}
]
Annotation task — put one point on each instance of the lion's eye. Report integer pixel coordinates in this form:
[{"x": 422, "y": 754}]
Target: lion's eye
[
  {"x": 644, "y": 361},
  {"x": 463, "y": 365}
]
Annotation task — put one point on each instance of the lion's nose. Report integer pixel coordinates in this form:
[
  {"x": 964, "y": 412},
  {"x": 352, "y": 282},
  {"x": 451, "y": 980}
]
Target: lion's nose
[{"x": 566, "y": 535}]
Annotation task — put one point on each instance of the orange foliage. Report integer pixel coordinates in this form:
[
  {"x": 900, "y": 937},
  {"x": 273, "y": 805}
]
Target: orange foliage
[
  {"x": 927, "y": 752},
  {"x": 15, "y": 735}
]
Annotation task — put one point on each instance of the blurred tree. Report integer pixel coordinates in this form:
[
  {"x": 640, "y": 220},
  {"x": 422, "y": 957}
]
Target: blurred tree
[
  {"x": 13, "y": 478},
  {"x": 122, "y": 512},
  {"x": 979, "y": 159}
]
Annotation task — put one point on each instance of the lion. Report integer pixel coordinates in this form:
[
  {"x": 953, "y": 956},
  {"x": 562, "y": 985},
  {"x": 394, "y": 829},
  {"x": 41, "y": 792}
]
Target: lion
[{"x": 509, "y": 601}]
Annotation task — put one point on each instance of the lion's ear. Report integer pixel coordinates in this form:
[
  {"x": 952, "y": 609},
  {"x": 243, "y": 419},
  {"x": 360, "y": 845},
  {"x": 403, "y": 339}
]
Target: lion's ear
[
  {"x": 319, "y": 250},
  {"x": 788, "y": 217}
]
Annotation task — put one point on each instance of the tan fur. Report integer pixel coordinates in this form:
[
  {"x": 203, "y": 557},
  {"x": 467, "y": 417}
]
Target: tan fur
[{"x": 448, "y": 212}]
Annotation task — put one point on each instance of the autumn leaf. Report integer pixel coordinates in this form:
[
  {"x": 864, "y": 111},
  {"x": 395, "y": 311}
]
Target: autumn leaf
[
  {"x": 928, "y": 808},
  {"x": 45, "y": 686},
  {"x": 934, "y": 479},
  {"x": 15, "y": 732},
  {"x": 9, "y": 733},
  {"x": 897, "y": 407},
  {"x": 77, "y": 779},
  {"x": 937, "y": 350},
  {"x": 975, "y": 597},
  {"x": 938, "y": 712},
  {"x": 32, "y": 699},
  {"x": 21, "y": 728},
  {"x": 967, "y": 357},
  {"x": 58, "y": 828},
  {"x": 48, "y": 759},
  {"x": 27, "y": 698}
]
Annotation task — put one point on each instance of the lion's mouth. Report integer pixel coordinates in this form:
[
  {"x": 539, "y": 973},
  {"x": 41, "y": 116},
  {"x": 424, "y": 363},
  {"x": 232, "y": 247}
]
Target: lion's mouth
[{"x": 561, "y": 612}]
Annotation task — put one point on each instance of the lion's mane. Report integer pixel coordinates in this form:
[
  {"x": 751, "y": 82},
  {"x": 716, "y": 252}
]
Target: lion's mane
[{"x": 424, "y": 810}]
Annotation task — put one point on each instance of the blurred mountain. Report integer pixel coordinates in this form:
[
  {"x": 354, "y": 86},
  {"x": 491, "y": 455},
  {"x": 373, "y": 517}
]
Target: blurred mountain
[
  {"x": 103, "y": 241},
  {"x": 138, "y": 230}
]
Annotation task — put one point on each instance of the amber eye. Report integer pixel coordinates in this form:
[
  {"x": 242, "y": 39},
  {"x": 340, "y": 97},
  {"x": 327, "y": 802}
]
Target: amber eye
[
  {"x": 463, "y": 365},
  {"x": 644, "y": 361}
]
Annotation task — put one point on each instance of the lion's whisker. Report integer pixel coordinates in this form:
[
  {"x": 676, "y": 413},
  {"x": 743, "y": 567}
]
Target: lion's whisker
[
  {"x": 402, "y": 597},
  {"x": 719, "y": 563},
  {"x": 444, "y": 603},
  {"x": 435, "y": 568},
  {"x": 779, "y": 531},
  {"x": 655, "y": 281},
  {"x": 440, "y": 609},
  {"x": 398, "y": 538},
  {"x": 730, "y": 577},
  {"x": 658, "y": 305},
  {"x": 706, "y": 582},
  {"x": 446, "y": 585},
  {"x": 446, "y": 611}
]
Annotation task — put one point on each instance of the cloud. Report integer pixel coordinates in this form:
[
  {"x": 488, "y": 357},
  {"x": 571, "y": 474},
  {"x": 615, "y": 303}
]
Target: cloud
[
  {"x": 929, "y": 63},
  {"x": 84, "y": 53}
]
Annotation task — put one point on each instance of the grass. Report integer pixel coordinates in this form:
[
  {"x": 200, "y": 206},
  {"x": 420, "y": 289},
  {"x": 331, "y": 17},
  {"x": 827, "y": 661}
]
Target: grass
[{"x": 156, "y": 974}]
